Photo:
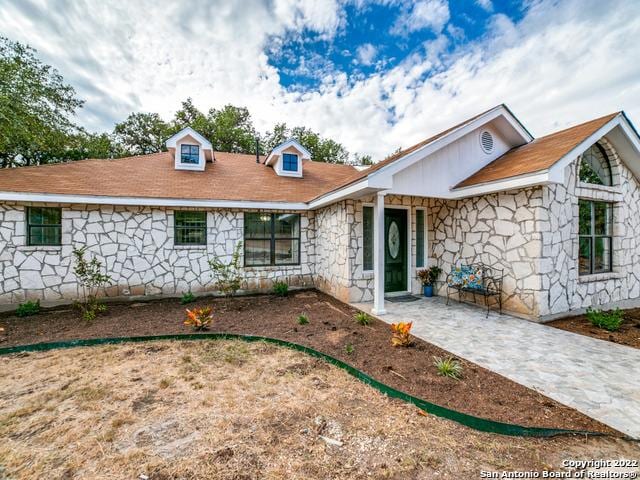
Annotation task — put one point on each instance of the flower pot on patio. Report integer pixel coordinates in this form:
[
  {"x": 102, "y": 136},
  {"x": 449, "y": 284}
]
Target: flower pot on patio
[
  {"x": 429, "y": 276},
  {"x": 428, "y": 290}
]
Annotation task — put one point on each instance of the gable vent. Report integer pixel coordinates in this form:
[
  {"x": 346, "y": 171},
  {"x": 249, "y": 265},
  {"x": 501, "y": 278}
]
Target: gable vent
[{"x": 486, "y": 140}]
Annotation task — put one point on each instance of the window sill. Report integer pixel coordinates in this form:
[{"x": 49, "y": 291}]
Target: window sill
[
  {"x": 40, "y": 248},
  {"x": 599, "y": 277},
  {"x": 366, "y": 274},
  {"x": 190, "y": 247},
  {"x": 272, "y": 267}
]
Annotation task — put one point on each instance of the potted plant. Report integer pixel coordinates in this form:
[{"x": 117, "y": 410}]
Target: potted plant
[{"x": 428, "y": 276}]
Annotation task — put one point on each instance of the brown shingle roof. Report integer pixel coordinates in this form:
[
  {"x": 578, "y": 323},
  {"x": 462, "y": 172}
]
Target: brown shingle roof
[
  {"x": 538, "y": 155},
  {"x": 231, "y": 177}
]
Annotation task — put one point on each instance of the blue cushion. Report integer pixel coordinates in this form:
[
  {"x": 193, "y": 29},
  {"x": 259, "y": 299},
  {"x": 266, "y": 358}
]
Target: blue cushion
[{"x": 466, "y": 276}]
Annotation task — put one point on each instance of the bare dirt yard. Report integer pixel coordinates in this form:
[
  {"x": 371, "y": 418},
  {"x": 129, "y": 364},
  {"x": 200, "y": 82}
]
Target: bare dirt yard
[
  {"x": 233, "y": 410},
  {"x": 629, "y": 333}
]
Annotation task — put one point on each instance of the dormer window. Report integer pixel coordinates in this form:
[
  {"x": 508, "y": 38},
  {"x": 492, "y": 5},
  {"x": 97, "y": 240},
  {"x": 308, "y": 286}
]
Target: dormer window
[
  {"x": 287, "y": 159},
  {"x": 289, "y": 162},
  {"x": 190, "y": 150},
  {"x": 190, "y": 154}
]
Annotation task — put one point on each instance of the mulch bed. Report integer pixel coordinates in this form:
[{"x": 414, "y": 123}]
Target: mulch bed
[
  {"x": 629, "y": 333},
  {"x": 331, "y": 329}
]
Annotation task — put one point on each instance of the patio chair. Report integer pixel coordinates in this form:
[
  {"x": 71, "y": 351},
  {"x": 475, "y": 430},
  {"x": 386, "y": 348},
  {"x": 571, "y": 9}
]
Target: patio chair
[{"x": 479, "y": 280}]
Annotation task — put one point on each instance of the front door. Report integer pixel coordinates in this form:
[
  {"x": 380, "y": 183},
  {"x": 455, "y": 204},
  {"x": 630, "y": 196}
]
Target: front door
[{"x": 395, "y": 250}]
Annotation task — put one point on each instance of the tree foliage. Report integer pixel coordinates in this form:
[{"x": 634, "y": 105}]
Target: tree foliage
[
  {"x": 36, "y": 108},
  {"x": 141, "y": 133}
]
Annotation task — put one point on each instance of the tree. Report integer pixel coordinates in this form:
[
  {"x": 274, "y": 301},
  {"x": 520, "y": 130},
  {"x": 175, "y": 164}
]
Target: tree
[
  {"x": 190, "y": 116},
  {"x": 362, "y": 159},
  {"x": 233, "y": 130},
  {"x": 35, "y": 106},
  {"x": 321, "y": 149},
  {"x": 141, "y": 133},
  {"x": 90, "y": 145}
]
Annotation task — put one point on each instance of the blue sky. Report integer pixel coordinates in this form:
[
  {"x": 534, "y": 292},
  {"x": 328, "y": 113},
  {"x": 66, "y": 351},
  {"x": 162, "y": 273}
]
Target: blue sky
[
  {"x": 378, "y": 36},
  {"x": 373, "y": 74}
]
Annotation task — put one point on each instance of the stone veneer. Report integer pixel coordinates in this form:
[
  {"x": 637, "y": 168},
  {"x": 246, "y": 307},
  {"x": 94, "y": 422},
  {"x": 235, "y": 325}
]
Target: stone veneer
[
  {"x": 532, "y": 234},
  {"x": 136, "y": 246},
  {"x": 563, "y": 288}
]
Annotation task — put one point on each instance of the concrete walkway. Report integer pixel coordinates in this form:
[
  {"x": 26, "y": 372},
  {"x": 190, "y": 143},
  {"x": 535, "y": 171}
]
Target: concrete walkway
[{"x": 600, "y": 379}]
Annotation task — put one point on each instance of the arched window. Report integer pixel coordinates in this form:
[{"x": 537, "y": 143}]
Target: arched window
[{"x": 595, "y": 166}]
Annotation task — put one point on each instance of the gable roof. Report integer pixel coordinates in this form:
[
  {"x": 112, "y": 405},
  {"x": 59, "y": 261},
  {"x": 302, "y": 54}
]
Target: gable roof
[
  {"x": 171, "y": 141},
  {"x": 428, "y": 141},
  {"x": 292, "y": 142},
  {"x": 232, "y": 177},
  {"x": 538, "y": 155}
]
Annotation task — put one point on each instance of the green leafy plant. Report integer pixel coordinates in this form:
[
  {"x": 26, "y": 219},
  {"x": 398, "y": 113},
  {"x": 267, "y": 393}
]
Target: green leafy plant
[
  {"x": 199, "y": 318},
  {"x": 280, "y": 288},
  {"x": 448, "y": 367},
  {"x": 428, "y": 276},
  {"x": 90, "y": 277},
  {"x": 362, "y": 318},
  {"x": 28, "y": 308},
  {"x": 228, "y": 274},
  {"x": 187, "y": 297},
  {"x": 611, "y": 320},
  {"x": 349, "y": 349},
  {"x": 303, "y": 319}
]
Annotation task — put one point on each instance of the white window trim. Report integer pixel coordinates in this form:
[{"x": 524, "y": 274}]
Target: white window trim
[{"x": 425, "y": 258}]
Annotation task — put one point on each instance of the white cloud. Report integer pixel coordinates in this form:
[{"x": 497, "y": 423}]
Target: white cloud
[
  {"x": 565, "y": 62},
  {"x": 485, "y": 4},
  {"x": 366, "y": 54},
  {"x": 431, "y": 14}
]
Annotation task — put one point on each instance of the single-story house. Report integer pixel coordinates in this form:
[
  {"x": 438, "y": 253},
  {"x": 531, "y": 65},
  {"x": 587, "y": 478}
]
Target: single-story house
[{"x": 559, "y": 214}]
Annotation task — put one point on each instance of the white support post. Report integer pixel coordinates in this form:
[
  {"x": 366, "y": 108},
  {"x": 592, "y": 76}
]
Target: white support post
[{"x": 378, "y": 255}]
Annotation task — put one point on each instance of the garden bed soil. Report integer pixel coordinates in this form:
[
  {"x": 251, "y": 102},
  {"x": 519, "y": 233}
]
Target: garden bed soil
[
  {"x": 629, "y": 333},
  {"x": 332, "y": 330}
]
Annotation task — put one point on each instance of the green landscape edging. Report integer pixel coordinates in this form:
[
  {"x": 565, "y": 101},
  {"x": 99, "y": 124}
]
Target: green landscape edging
[{"x": 477, "y": 423}]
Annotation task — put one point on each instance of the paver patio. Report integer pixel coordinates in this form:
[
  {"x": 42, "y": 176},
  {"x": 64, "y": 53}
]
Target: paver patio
[{"x": 600, "y": 379}]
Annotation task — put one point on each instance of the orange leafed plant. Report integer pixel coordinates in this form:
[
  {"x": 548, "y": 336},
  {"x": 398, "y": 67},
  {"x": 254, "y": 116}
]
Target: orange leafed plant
[
  {"x": 199, "y": 318},
  {"x": 400, "y": 336}
]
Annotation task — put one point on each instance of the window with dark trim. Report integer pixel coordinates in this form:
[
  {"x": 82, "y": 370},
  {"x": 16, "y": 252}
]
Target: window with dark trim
[
  {"x": 367, "y": 234},
  {"x": 595, "y": 167},
  {"x": 271, "y": 239},
  {"x": 190, "y": 228},
  {"x": 595, "y": 236},
  {"x": 189, "y": 154},
  {"x": 419, "y": 238},
  {"x": 289, "y": 162},
  {"x": 44, "y": 226}
]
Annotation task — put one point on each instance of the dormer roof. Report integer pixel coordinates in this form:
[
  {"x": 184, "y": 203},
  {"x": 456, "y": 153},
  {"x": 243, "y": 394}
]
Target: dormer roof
[
  {"x": 291, "y": 143},
  {"x": 188, "y": 131}
]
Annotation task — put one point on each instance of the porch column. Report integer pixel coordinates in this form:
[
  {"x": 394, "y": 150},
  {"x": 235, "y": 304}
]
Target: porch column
[{"x": 378, "y": 255}]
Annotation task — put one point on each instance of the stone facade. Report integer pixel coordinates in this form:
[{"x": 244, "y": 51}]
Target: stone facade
[
  {"x": 136, "y": 246},
  {"x": 532, "y": 234},
  {"x": 500, "y": 230},
  {"x": 563, "y": 288}
]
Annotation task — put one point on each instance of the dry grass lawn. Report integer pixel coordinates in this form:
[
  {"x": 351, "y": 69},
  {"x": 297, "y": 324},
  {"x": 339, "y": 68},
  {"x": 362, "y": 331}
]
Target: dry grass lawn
[{"x": 233, "y": 410}]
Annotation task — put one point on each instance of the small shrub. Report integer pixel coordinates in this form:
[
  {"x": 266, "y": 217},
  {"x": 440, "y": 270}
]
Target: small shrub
[
  {"x": 280, "y": 288},
  {"x": 28, "y": 308},
  {"x": 428, "y": 276},
  {"x": 199, "y": 318},
  {"x": 90, "y": 277},
  {"x": 227, "y": 275},
  {"x": 187, "y": 297},
  {"x": 400, "y": 336},
  {"x": 362, "y": 318},
  {"x": 303, "y": 319},
  {"x": 448, "y": 367},
  {"x": 349, "y": 349},
  {"x": 610, "y": 320}
]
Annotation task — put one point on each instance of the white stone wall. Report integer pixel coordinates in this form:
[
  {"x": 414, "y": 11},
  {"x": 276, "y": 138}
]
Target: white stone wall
[
  {"x": 565, "y": 290},
  {"x": 499, "y": 230},
  {"x": 136, "y": 246},
  {"x": 332, "y": 248},
  {"x": 339, "y": 247}
]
